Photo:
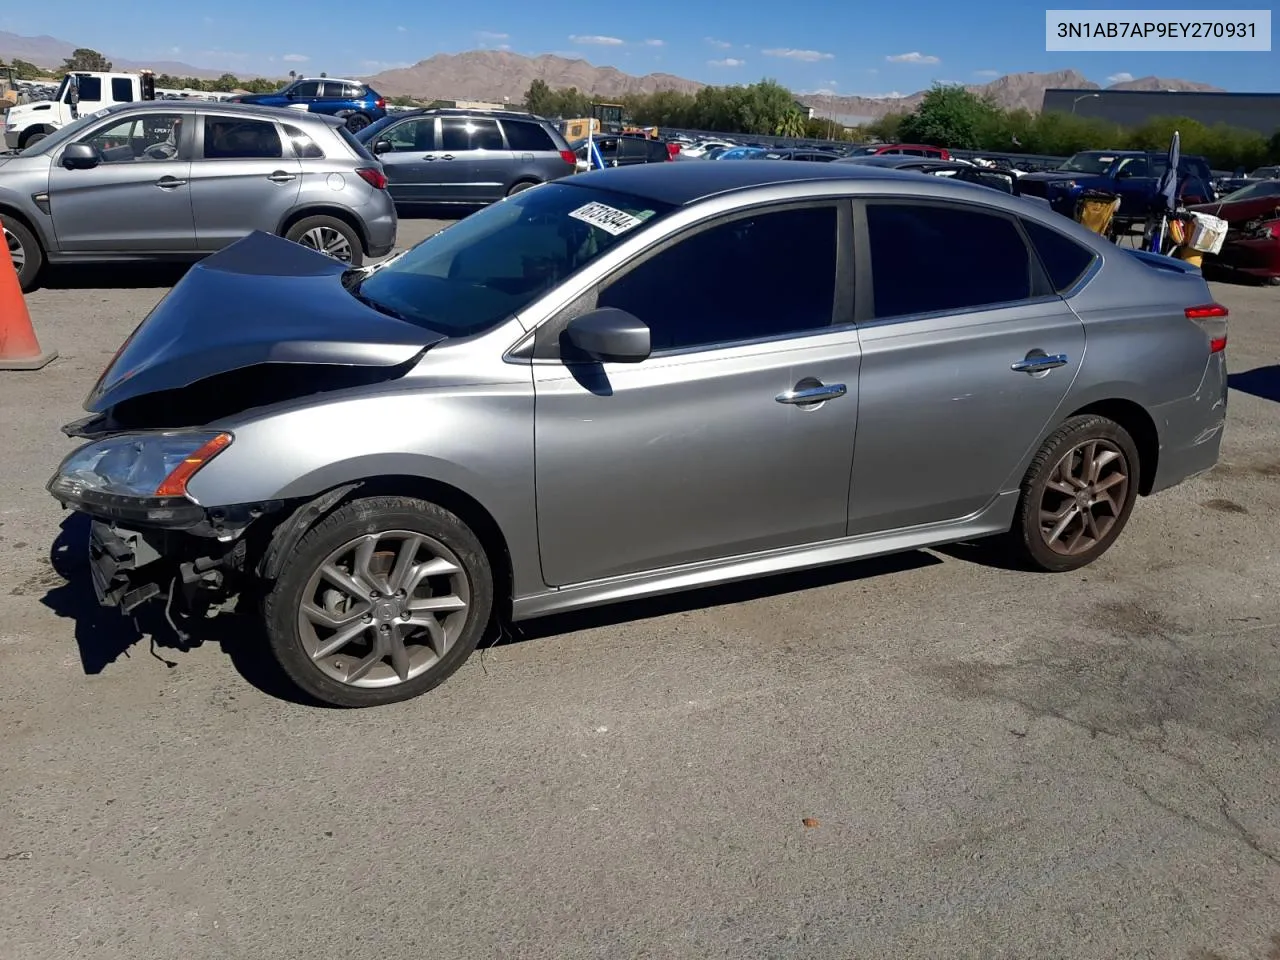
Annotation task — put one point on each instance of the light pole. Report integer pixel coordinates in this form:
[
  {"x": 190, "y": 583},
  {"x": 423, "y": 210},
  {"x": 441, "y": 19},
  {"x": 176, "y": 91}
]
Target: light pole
[{"x": 1087, "y": 96}]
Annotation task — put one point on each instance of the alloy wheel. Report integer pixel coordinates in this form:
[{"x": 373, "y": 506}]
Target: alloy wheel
[
  {"x": 357, "y": 123},
  {"x": 1084, "y": 497},
  {"x": 384, "y": 608},
  {"x": 328, "y": 241},
  {"x": 17, "y": 252}
]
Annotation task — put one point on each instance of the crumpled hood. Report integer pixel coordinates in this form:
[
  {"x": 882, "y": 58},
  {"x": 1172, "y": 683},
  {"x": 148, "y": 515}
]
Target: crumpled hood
[{"x": 261, "y": 300}]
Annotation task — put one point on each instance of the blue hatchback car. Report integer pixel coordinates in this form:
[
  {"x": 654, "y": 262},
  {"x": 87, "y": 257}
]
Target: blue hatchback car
[{"x": 356, "y": 102}]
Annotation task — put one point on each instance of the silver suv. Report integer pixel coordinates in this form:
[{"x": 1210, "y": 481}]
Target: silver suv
[{"x": 158, "y": 180}]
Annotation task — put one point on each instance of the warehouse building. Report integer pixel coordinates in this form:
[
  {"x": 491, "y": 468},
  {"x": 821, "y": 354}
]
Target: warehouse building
[{"x": 1248, "y": 111}]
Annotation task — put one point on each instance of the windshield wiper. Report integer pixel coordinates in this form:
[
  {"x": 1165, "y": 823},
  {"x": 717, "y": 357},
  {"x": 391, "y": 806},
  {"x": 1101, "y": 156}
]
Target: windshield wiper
[{"x": 380, "y": 307}]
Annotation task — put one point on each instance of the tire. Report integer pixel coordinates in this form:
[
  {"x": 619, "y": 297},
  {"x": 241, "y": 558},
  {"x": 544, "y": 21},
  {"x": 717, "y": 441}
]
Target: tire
[
  {"x": 24, "y": 250},
  {"x": 520, "y": 187},
  {"x": 1078, "y": 544},
  {"x": 357, "y": 122},
  {"x": 324, "y": 233},
  {"x": 297, "y": 640},
  {"x": 31, "y": 138}
]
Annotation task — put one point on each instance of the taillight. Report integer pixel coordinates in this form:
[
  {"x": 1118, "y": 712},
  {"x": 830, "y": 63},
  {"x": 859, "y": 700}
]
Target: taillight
[
  {"x": 373, "y": 177},
  {"x": 1212, "y": 319},
  {"x": 569, "y": 157},
  {"x": 380, "y": 103}
]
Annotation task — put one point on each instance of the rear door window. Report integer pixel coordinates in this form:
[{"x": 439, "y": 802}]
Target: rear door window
[
  {"x": 121, "y": 89},
  {"x": 1065, "y": 261},
  {"x": 236, "y": 139},
  {"x": 467, "y": 133},
  {"x": 942, "y": 258},
  {"x": 524, "y": 135}
]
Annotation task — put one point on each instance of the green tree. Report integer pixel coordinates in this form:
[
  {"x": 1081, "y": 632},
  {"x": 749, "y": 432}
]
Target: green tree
[
  {"x": 1273, "y": 147},
  {"x": 888, "y": 129},
  {"x": 228, "y": 81},
  {"x": 537, "y": 99},
  {"x": 949, "y": 116},
  {"x": 792, "y": 124},
  {"x": 85, "y": 59},
  {"x": 25, "y": 70}
]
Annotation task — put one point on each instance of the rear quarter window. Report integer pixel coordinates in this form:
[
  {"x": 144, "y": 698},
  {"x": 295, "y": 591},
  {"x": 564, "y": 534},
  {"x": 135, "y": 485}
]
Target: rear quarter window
[
  {"x": 1065, "y": 261},
  {"x": 524, "y": 135},
  {"x": 356, "y": 146}
]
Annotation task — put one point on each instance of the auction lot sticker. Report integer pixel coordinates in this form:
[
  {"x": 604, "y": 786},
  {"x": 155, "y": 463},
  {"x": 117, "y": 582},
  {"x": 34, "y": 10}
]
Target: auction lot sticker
[
  {"x": 1158, "y": 30},
  {"x": 609, "y": 219}
]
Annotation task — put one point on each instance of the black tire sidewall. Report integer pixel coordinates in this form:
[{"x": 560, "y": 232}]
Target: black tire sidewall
[
  {"x": 1071, "y": 434},
  {"x": 31, "y": 248},
  {"x": 357, "y": 117},
  {"x": 296, "y": 231},
  {"x": 520, "y": 187},
  {"x": 357, "y": 517}
]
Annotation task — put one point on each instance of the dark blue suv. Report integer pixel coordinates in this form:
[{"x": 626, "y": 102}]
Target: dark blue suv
[{"x": 356, "y": 102}]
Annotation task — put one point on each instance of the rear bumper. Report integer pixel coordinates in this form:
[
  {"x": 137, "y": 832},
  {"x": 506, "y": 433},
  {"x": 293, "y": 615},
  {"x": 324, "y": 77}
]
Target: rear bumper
[
  {"x": 380, "y": 228},
  {"x": 1191, "y": 428}
]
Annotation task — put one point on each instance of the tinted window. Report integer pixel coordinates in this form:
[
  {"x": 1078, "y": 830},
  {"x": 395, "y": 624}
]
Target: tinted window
[
  {"x": 495, "y": 262},
  {"x": 226, "y": 139},
  {"x": 357, "y": 147},
  {"x": 1136, "y": 167},
  {"x": 152, "y": 136},
  {"x": 465, "y": 133},
  {"x": 418, "y": 134},
  {"x": 927, "y": 258},
  {"x": 354, "y": 91},
  {"x": 522, "y": 135},
  {"x": 303, "y": 146},
  {"x": 90, "y": 89},
  {"x": 914, "y": 153},
  {"x": 307, "y": 88},
  {"x": 1064, "y": 260},
  {"x": 121, "y": 90},
  {"x": 728, "y": 281}
]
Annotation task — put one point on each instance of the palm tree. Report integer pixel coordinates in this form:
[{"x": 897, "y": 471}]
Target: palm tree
[
  {"x": 293, "y": 74},
  {"x": 792, "y": 124}
]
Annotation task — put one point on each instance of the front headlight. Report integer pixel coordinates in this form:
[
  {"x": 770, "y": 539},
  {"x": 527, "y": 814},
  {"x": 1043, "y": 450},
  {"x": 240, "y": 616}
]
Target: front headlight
[{"x": 151, "y": 467}]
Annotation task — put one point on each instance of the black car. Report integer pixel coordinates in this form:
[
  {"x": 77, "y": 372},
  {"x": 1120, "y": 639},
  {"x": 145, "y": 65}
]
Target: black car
[
  {"x": 624, "y": 150},
  {"x": 1006, "y": 181},
  {"x": 815, "y": 156}
]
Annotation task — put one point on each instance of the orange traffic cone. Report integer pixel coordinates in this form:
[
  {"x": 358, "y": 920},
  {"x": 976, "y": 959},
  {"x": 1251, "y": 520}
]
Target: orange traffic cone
[{"x": 19, "y": 348}]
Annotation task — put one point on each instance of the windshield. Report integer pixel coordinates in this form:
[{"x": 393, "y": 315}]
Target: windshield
[
  {"x": 69, "y": 132},
  {"x": 492, "y": 264},
  {"x": 1089, "y": 163},
  {"x": 373, "y": 129},
  {"x": 1267, "y": 188}
]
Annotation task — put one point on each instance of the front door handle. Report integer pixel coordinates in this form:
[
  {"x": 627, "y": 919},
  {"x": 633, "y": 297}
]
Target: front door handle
[
  {"x": 281, "y": 177},
  {"x": 168, "y": 183},
  {"x": 812, "y": 394},
  {"x": 1039, "y": 362}
]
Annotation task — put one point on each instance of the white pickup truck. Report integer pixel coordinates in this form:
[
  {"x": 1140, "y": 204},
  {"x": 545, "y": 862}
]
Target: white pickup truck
[{"x": 80, "y": 93}]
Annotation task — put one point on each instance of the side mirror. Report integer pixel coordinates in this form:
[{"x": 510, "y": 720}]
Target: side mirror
[
  {"x": 383, "y": 146},
  {"x": 610, "y": 335},
  {"x": 80, "y": 156}
]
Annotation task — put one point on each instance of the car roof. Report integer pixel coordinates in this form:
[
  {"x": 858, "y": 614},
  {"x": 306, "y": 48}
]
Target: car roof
[
  {"x": 225, "y": 107},
  {"x": 684, "y": 183},
  {"x": 334, "y": 79}
]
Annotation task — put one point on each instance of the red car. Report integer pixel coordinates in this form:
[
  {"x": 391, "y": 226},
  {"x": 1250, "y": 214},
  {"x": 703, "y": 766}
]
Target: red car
[
  {"x": 1252, "y": 246},
  {"x": 903, "y": 149}
]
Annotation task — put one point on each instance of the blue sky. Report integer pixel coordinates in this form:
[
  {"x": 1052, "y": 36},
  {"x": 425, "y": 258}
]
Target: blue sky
[{"x": 809, "y": 45}]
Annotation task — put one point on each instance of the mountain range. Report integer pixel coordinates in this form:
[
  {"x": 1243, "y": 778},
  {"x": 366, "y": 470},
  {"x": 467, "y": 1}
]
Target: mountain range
[{"x": 495, "y": 75}]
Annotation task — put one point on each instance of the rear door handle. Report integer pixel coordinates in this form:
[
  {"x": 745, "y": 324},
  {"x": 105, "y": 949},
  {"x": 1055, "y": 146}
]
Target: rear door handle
[
  {"x": 168, "y": 183},
  {"x": 447, "y": 156},
  {"x": 281, "y": 177},
  {"x": 1037, "y": 362},
  {"x": 815, "y": 394}
]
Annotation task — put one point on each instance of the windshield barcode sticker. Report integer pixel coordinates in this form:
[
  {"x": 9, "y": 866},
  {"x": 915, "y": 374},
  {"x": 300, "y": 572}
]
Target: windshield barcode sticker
[{"x": 608, "y": 219}]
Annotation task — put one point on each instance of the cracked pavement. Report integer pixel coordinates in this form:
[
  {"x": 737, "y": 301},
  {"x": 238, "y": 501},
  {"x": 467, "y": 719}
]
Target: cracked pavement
[{"x": 991, "y": 764}]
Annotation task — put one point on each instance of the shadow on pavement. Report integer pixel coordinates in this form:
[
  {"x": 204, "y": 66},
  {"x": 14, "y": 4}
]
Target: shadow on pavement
[
  {"x": 1261, "y": 382},
  {"x": 707, "y": 597},
  {"x": 104, "y": 635},
  {"x": 112, "y": 276}
]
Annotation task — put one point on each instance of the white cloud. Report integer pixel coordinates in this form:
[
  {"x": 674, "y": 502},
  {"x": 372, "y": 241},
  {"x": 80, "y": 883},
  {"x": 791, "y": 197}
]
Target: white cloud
[
  {"x": 402, "y": 29},
  {"x": 490, "y": 35},
  {"x": 914, "y": 57},
  {"x": 986, "y": 73},
  {"x": 294, "y": 58},
  {"x": 830, "y": 83},
  {"x": 820, "y": 92},
  {"x": 808, "y": 56},
  {"x": 503, "y": 46},
  {"x": 718, "y": 44},
  {"x": 175, "y": 49},
  {"x": 726, "y": 62},
  {"x": 1121, "y": 77},
  {"x": 594, "y": 40},
  {"x": 655, "y": 43},
  {"x": 377, "y": 66}
]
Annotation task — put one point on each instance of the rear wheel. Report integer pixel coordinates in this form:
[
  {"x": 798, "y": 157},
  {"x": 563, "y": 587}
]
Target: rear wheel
[
  {"x": 1077, "y": 496},
  {"x": 24, "y": 251},
  {"x": 357, "y": 122},
  {"x": 329, "y": 236},
  {"x": 381, "y": 601},
  {"x": 520, "y": 187}
]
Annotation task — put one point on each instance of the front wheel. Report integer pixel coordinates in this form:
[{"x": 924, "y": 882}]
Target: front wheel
[
  {"x": 329, "y": 236},
  {"x": 24, "y": 251},
  {"x": 381, "y": 601},
  {"x": 1077, "y": 496}
]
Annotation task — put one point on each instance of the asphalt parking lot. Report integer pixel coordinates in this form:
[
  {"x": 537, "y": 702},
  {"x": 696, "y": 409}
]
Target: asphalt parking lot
[{"x": 925, "y": 756}]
